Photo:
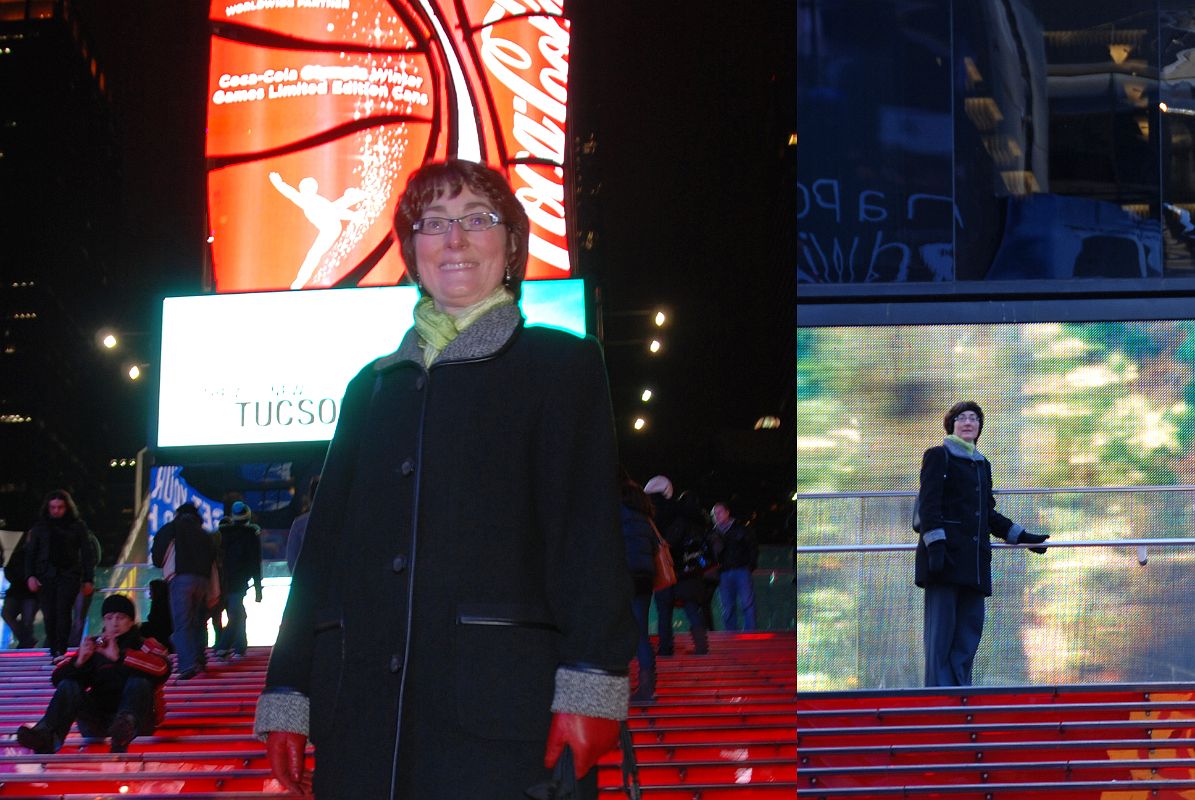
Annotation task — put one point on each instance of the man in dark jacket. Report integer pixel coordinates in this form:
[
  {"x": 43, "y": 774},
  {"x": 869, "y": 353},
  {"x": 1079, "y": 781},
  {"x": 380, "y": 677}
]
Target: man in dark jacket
[
  {"x": 240, "y": 561},
  {"x": 112, "y": 686},
  {"x": 956, "y": 515},
  {"x": 59, "y": 563},
  {"x": 187, "y": 567},
  {"x": 738, "y": 556}
]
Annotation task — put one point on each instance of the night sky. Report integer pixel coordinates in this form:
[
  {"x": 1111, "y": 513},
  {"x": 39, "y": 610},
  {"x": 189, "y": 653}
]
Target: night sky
[{"x": 692, "y": 104}]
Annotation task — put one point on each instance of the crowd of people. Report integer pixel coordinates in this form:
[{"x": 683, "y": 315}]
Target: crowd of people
[
  {"x": 711, "y": 553},
  {"x": 110, "y": 683}
]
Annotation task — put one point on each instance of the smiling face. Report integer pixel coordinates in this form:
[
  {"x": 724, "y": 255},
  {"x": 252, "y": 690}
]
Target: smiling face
[
  {"x": 459, "y": 268},
  {"x": 966, "y": 426}
]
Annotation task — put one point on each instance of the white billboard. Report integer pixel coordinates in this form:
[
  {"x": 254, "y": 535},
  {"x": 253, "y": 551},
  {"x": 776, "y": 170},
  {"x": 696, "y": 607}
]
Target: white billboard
[{"x": 272, "y": 367}]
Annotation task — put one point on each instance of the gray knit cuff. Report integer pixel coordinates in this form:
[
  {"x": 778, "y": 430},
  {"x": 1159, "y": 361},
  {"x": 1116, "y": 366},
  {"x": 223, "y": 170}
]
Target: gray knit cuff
[
  {"x": 282, "y": 711},
  {"x": 591, "y": 694},
  {"x": 1014, "y": 533},
  {"x": 936, "y": 535}
]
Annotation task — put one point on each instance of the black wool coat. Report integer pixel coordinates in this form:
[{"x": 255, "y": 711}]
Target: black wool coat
[
  {"x": 464, "y": 543},
  {"x": 956, "y": 498}
]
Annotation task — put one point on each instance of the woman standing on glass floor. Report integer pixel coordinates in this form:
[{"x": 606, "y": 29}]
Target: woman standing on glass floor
[{"x": 956, "y": 513}]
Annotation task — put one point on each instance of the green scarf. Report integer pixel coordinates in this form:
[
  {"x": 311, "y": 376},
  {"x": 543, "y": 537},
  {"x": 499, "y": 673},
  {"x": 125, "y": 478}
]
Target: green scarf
[
  {"x": 437, "y": 329},
  {"x": 963, "y": 443}
]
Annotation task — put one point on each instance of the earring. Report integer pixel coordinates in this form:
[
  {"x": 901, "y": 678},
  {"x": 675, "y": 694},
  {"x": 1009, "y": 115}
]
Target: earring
[{"x": 506, "y": 280}]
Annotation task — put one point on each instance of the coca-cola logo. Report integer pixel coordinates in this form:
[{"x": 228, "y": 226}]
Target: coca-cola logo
[{"x": 537, "y": 80}]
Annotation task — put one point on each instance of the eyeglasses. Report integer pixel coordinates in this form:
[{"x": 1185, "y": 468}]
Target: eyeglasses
[
  {"x": 967, "y": 416},
  {"x": 471, "y": 223}
]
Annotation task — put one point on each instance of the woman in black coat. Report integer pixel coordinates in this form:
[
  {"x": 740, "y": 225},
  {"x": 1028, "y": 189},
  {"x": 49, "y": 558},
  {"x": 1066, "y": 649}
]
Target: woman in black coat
[
  {"x": 462, "y": 607},
  {"x": 956, "y": 513},
  {"x": 641, "y": 541}
]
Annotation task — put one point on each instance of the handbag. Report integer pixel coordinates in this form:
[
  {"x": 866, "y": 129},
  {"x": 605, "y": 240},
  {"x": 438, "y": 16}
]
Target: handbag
[{"x": 665, "y": 571}]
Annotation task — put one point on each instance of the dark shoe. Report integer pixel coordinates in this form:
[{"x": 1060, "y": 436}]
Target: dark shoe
[
  {"x": 225, "y": 654},
  {"x": 39, "y": 740},
  {"x": 645, "y": 692},
  {"x": 122, "y": 730},
  {"x": 188, "y": 674}
]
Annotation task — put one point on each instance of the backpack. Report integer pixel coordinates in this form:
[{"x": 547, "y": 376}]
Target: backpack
[{"x": 697, "y": 555}]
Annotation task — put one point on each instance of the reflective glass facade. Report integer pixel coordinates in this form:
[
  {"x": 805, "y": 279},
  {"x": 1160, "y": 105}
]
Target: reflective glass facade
[{"x": 1010, "y": 142}]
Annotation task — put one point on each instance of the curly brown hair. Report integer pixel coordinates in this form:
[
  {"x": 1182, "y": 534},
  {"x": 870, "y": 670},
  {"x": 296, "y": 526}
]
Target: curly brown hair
[
  {"x": 958, "y": 408},
  {"x": 449, "y": 178}
]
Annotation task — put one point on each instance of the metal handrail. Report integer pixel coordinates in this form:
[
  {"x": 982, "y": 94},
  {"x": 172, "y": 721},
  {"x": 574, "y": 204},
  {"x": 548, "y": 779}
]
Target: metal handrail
[
  {"x": 1181, "y": 487},
  {"x": 892, "y": 547}
]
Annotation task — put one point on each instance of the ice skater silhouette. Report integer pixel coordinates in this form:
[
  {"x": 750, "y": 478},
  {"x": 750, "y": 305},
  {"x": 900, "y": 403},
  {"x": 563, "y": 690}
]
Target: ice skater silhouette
[{"x": 328, "y": 216}]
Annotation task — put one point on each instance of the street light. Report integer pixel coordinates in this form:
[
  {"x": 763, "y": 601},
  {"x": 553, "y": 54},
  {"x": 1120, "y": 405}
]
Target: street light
[
  {"x": 660, "y": 319},
  {"x": 646, "y": 395},
  {"x": 655, "y": 346},
  {"x": 134, "y": 372},
  {"x": 109, "y": 341},
  {"x": 640, "y": 423}
]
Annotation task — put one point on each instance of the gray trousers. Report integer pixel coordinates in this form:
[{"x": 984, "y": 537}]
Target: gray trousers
[{"x": 953, "y": 627}]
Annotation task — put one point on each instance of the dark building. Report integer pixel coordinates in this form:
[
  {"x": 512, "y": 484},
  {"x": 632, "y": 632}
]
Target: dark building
[
  {"x": 66, "y": 411},
  {"x": 696, "y": 127}
]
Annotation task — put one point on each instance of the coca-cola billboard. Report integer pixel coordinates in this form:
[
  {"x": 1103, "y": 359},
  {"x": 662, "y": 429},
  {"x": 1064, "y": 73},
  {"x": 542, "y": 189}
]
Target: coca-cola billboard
[{"x": 319, "y": 110}]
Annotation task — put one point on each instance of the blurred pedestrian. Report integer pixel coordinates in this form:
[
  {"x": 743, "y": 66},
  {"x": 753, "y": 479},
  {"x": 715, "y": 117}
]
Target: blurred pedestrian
[
  {"x": 298, "y": 527},
  {"x": 639, "y": 538},
  {"x": 20, "y": 604},
  {"x": 686, "y": 537},
  {"x": 187, "y": 553},
  {"x": 60, "y": 563},
  {"x": 158, "y": 624},
  {"x": 240, "y": 563},
  {"x": 738, "y": 557},
  {"x": 83, "y": 599}
]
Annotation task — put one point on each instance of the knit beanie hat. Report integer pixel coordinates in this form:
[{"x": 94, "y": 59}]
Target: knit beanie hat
[
  {"x": 659, "y": 485},
  {"x": 240, "y": 512},
  {"x": 119, "y": 604}
]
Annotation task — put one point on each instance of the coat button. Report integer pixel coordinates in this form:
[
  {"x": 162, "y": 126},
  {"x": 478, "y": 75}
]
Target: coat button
[
  {"x": 975, "y": 538},
  {"x": 400, "y": 563},
  {"x": 395, "y": 664},
  {"x": 420, "y": 382},
  {"x": 407, "y": 467}
]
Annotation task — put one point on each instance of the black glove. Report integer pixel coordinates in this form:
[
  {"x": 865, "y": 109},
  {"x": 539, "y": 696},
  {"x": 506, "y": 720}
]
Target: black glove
[
  {"x": 937, "y": 555},
  {"x": 1033, "y": 538}
]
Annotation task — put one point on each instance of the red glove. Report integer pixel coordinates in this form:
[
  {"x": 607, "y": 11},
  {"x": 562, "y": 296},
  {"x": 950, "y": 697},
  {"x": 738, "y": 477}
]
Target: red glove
[
  {"x": 287, "y": 755},
  {"x": 589, "y": 737}
]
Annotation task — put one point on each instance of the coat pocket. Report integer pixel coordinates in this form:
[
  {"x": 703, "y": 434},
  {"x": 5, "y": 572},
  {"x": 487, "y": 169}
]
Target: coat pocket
[
  {"x": 327, "y": 667},
  {"x": 505, "y": 669}
]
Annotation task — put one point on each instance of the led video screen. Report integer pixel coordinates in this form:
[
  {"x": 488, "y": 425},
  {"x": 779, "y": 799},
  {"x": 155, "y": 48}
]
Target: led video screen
[
  {"x": 272, "y": 367},
  {"x": 1066, "y": 404},
  {"x": 319, "y": 112}
]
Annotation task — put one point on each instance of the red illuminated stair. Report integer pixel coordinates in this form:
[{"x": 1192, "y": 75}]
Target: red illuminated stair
[
  {"x": 1112, "y": 742},
  {"x": 723, "y": 727}
]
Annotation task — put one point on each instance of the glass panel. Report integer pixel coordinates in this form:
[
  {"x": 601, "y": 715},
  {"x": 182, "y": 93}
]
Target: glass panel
[
  {"x": 995, "y": 140},
  {"x": 1071, "y": 615}
]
